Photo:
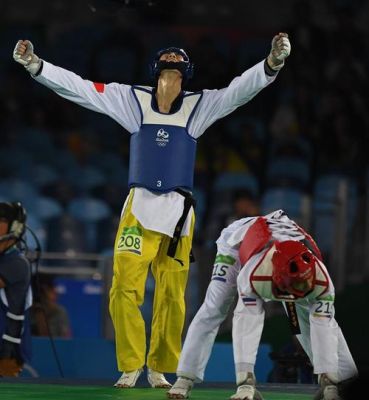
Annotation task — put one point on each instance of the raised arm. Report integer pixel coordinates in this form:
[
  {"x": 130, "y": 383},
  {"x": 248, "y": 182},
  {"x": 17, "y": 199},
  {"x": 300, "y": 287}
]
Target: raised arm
[
  {"x": 219, "y": 103},
  {"x": 115, "y": 100}
]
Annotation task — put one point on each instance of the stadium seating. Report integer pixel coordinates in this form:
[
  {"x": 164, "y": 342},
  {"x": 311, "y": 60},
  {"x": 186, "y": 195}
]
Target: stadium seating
[
  {"x": 288, "y": 171},
  {"x": 15, "y": 163},
  {"x": 65, "y": 161},
  {"x": 37, "y": 142},
  {"x": 67, "y": 44},
  {"x": 200, "y": 208},
  {"x": 89, "y": 211},
  {"x": 106, "y": 231},
  {"x": 235, "y": 125},
  {"x": 330, "y": 192},
  {"x": 248, "y": 55},
  {"x": 67, "y": 235},
  {"x": 293, "y": 147},
  {"x": 39, "y": 228},
  {"x": 327, "y": 187},
  {"x": 324, "y": 224},
  {"x": 45, "y": 208},
  {"x": 86, "y": 178},
  {"x": 229, "y": 181},
  {"x": 290, "y": 200},
  {"x": 42, "y": 175},
  {"x": 19, "y": 190},
  {"x": 117, "y": 63}
]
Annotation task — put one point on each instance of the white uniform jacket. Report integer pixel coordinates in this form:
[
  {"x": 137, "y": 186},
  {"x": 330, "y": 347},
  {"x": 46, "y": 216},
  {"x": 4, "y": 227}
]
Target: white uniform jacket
[{"x": 117, "y": 101}]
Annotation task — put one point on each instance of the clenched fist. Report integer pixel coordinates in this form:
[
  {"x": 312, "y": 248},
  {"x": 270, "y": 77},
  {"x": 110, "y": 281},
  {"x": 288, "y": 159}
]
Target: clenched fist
[
  {"x": 281, "y": 49},
  {"x": 23, "y": 54}
]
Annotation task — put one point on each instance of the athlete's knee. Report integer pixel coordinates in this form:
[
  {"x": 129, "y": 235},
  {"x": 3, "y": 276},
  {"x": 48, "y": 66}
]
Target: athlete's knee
[
  {"x": 125, "y": 294},
  {"x": 174, "y": 289},
  {"x": 211, "y": 312}
]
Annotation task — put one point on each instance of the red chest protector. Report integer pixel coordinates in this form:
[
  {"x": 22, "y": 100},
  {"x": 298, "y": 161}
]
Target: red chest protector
[
  {"x": 259, "y": 235},
  {"x": 255, "y": 239}
]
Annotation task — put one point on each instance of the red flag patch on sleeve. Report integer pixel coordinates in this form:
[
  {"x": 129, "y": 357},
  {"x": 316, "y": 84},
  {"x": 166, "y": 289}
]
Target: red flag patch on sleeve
[{"x": 100, "y": 87}]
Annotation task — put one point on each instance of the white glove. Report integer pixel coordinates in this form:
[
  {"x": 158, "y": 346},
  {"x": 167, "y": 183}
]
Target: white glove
[
  {"x": 23, "y": 54},
  {"x": 331, "y": 393},
  {"x": 328, "y": 388},
  {"x": 281, "y": 49},
  {"x": 244, "y": 392}
]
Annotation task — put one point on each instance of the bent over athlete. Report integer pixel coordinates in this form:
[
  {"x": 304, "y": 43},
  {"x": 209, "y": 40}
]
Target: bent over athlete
[
  {"x": 268, "y": 258},
  {"x": 157, "y": 220}
]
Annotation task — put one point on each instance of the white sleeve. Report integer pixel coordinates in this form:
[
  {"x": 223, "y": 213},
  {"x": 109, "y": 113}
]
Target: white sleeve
[
  {"x": 216, "y": 104},
  {"x": 113, "y": 99}
]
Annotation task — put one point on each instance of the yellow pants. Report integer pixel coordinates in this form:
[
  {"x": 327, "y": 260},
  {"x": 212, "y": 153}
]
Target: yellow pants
[{"x": 135, "y": 250}]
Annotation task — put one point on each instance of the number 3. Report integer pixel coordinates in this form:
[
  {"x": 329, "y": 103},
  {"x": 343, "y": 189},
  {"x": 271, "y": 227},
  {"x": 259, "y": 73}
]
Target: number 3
[{"x": 158, "y": 183}]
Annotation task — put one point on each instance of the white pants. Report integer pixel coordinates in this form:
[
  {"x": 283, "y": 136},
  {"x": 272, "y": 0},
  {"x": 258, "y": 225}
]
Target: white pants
[
  {"x": 344, "y": 365},
  {"x": 248, "y": 322},
  {"x": 203, "y": 329}
]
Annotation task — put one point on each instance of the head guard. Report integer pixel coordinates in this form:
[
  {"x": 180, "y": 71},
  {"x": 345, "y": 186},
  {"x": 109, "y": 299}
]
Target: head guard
[
  {"x": 185, "y": 67},
  {"x": 293, "y": 265},
  {"x": 15, "y": 215}
]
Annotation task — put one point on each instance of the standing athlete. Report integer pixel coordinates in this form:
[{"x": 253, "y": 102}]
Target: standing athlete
[
  {"x": 267, "y": 258},
  {"x": 157, "y": 220}
]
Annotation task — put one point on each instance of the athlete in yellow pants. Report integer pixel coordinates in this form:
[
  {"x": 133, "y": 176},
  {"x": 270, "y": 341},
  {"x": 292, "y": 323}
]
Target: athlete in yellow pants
[
  {"x": 136, "y": 249},
  {"x": 164, "y": 121}
]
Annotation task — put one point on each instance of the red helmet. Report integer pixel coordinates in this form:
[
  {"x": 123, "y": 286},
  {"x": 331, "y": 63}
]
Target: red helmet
[{"x": 293, "y": 267}]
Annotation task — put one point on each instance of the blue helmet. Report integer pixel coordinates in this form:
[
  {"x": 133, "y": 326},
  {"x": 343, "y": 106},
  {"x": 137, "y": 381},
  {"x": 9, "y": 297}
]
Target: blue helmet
[{"x": 185, "y": 66}]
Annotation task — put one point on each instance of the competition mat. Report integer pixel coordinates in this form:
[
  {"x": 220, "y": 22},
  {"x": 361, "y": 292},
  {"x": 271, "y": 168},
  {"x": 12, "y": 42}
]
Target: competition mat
[{"x": 69, "y": 390}]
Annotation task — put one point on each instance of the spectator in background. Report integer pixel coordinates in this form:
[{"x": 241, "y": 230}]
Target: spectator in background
[
  {"x": 284, "y": 124},
  {"x": 243, "y": 204},
  {"x": 47, "y": 316}
]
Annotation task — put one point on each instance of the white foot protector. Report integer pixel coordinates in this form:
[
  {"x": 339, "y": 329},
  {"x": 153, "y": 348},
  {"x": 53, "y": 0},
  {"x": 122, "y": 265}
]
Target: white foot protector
[
  {"x": 181, "y": 389},
  {"x": 331, "y": 393},
  {"x": 244, "y": 392},
  {"x": 128, "y": 379},
  {"x": 157, "y": 379}
]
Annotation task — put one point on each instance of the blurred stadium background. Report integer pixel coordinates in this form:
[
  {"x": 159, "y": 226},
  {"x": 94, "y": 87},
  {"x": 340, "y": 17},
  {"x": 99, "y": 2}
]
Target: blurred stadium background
[{"x": 300, "y": 145}]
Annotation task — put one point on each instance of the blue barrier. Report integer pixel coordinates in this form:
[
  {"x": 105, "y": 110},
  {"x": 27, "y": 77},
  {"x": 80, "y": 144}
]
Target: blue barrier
[
  {"x": 82, "y": 299},
  {"x": 91, "y": 358},
  {"x": 79, "y": 358}
]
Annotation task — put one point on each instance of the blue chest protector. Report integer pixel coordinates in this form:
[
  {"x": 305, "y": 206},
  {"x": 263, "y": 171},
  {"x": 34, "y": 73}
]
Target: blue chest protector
[{"x": 162, "y": 153}]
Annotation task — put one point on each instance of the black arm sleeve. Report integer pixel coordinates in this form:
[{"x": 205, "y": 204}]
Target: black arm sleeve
[{"x": 269, "y": 71}]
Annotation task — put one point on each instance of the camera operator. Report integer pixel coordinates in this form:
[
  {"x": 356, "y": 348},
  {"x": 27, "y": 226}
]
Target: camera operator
[{"x": 15, "y": 291}]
